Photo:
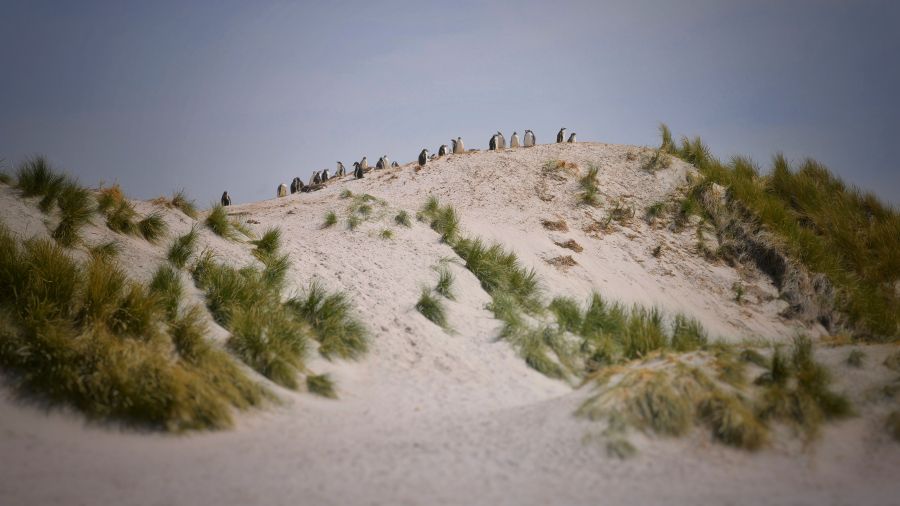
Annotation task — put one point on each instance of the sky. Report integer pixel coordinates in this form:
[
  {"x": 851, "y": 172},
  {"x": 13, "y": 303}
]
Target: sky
[{"x": 241, "y": 96}]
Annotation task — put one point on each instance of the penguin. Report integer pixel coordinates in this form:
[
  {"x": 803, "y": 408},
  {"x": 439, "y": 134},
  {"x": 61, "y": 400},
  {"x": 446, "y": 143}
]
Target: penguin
[
  {"x": 282, "y": 190},
  {"x": 529, "y": 139},
  {"x": 442, "y": 151},
  {"x": 317, "y": 178},
  {"x": 340, "y": 170},
  {"x": 379, "y": 164},
  {"x": 423, "y": 158},
  {"x": 357, "y": 170},
  {"x": 325, "y": 176},
  {"x": 501, "y": 140},
  {"x": 492, "y": 144},
  {"x": 395, "y": 164},
  {"x": 300, "y": 187},
  {"x": 387, "y": 162},
  {"x": 226, "y": 200},
  {"x": 458, "y": 146},
  {"x": 514, "y": 140},
  {"x": 572, "y": 138},
  {"x": 561, "y": 136},
  {"x": 293, "y": 186},
  {"x": 364, "y": 164}
]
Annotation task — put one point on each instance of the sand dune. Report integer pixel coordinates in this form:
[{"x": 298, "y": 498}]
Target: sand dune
[{"x": 437, "y": 417}]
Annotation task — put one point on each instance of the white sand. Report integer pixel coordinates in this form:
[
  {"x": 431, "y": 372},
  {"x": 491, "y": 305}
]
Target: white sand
[{"x": 430, "y": 417}]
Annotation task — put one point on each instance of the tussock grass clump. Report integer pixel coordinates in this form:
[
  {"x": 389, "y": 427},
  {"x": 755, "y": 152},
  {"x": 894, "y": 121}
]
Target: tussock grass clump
[
  {"x": 330, "y": 219},
  {"x": 183, "y": 203},
  {"x": 182, "y": 248},
  {"x": 321, "y": 385},
  {"x": 264, "y": 332},
  {"x": 346, "y": 194},
  {"x": 267, "y": 245},
  {"x": 657, "y": 161},
  {"x": 445, "y": 283},
  {"x": 386, "y": 234},
  {"x": 500, "y": 271},
  {"x": 217, "y": 221},
  {"x": 402, "y": 219},
  {"x": 797, "y": 391},
  {"x": 106, "y": 250},
  {"x": 353, "y": 221},
  {"x": 166, "y": 285},
  {"x": 432, "y": 308},
  {"x": 443, "y": 219},
  {"x": 688, "y": 334},
  {"x": 36, "y": 178},
  {"x": 332, "y": 320},
  {"x": 828, "y": 226},
  {"x": 556, "y": 225},
  {"x": 153, "y": 227},
  {"x": 76, "y": 210},
  {"x": 590, "y": 191},
  {"x": 89, "y": 337}
]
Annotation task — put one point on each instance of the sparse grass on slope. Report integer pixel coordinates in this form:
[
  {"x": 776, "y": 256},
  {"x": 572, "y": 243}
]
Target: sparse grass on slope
[
  {"x": 89, "y": 337},
  {"x": 152, "y": 227},
  {"x": 333, "y": 322},
  {"x": 181, "y": 202},
  {"x": 590, "y": 191},
  {"x": 432, "y": 308},
  {"x": 821, "y": 222},
  {"x": 402, "y": 219},
  {"x": 330, "y": 219},
  {"x": 321, "y": 385}
]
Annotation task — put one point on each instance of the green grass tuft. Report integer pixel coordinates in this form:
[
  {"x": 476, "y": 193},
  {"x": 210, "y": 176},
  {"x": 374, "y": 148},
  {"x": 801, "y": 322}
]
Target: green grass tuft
[
  {"x": 76, "y": 210},
  {"x": 181, "y": 202},
  {"x": 166, "y": 285},
  {"x": 402, "y": 219},
  {"x": 590, "y": 191},
  {"x": 432, "y": 308},
  {"x": 386, "y": 234},
  {"x": 353, "y": 221},
  {"x": 182, "y": 248},
  {"x": 321, "y": 385},
  {"x": 332, "y": 320},
  {"x": 330, "y": 219},
  {"x": 153, "y": 227},
  {"x": 445, "y": 283},
  {"x": 269, "y": 244},
  {"x": 217, "y": 221},
  {"x": 346, "y": 194}
]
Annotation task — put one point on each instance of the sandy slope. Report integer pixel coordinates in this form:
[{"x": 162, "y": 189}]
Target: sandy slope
[{"x": 430, "y": 417}]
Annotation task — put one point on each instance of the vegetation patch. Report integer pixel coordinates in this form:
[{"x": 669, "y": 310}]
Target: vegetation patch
[
  {"x": 330, "y": 219},
  {"x": 333, "y": 321},
  {"x": 557, "y": 225},
  {"x": 590, "y": 191},
  {"x": 570, "y": 244},
  {"x": 86, "y": 336},
  {"x": 321, "y": 385},
  {"x": 402, "y": 219},
  {"x": 803, "y": 215},
  {"x": 432, "y": 308},
  {"x": 217, "y": 221},
  {"x": 182, "y": 248},
  {"x": 36, "y": 178},
  {"x": 562, "y": 262}
]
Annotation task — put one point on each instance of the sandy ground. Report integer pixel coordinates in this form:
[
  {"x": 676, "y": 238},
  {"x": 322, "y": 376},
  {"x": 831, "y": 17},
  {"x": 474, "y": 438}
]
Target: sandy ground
[{"x": 435, "y": 417}]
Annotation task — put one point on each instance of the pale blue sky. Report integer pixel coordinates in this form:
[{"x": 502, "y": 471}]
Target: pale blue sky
[{"x": 241, "y": 96}]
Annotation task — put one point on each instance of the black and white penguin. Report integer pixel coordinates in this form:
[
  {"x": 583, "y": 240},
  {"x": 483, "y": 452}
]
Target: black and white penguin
[
  {"x": 395, "y": 164},
  {"x": 529, "y": 139},
  {"x": 357, "y": 170},
  {"x": 561, "y": 136},
  {"x": 442, "y": 151},
  {"x": 423, "y": 157},
  {"x": 282, "y": 190},
  {"x": 325, "y": 175},
  {"x": 492, "y": 144},
  {"x": 501, "y": 140},
  {"x": 339, "y": 172},
  {"x": 514, "y": 140},
  {"x": 458, "y": 146},
  {"x": 226, "y": 199},
  {"x": 572, "y": 138},
  {"x": 364, "y": 164}
]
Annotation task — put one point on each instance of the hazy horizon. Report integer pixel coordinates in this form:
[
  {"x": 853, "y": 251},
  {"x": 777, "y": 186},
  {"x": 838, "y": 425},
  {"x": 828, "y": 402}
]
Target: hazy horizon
[{"x": 208, "y": 97}]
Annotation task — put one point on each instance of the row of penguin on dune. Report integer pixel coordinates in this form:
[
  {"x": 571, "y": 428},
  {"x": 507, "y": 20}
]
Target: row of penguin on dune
[{"x": 318, "y": 179}]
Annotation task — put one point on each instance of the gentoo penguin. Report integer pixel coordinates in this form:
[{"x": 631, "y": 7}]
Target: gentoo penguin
[
  {"x": 312, "y": 179},
  {"x": 572, "y": 138},
  {"x": 514, "y": 140},
  {"x": 226, "y": 200},
  {"x": 325, "y": 176},
  {"x": 492, "y": 144},
  {"x": 501, "y": 140},
  {"x": 395, "y": 164},
  {"x": 529, "y": 139},
  {"x": 357, "y": 170},
  {"x": 458, "y": 146},
  {"x": 340, "y": 170},
  {"x": 379, "y": 164},
  {"x": 282, "y": 190},
  {"x": 423, "y": 157},
  {"x": 364, "y": 163},
  {"x": 387, "y": 162},
  {"x": 442, "y": 151},
  {"x": 561, "y": 136},
  {"x": 317, "y": 178}
]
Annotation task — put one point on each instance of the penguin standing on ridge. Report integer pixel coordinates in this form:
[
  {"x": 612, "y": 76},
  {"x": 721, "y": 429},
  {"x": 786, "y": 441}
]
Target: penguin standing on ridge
[
  {"x": 423, "y": 158},
  {"x": 514, "y": 140},
  {"x": 317, "y": 178},
  {"x": 325, "y": 175},
  {"x": 501, "y": 140},
  {"x": 340, "y": 170},
  {"x": 357, "y": 170},
  {"x": 364, "y": 164},
  {"x": 442, "y": 151},
  {"x": 458, "y": 146},
  {"x": 226, "y": 199},
  {"x": 492, "y": 144},
  {"x": 379, "y": 164},
  {"x": 394, "y": 164},
  {"x": 529, "y": 139},
  {"x": 561, "y": 136},
  {"x": 572, "y": 138}
]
